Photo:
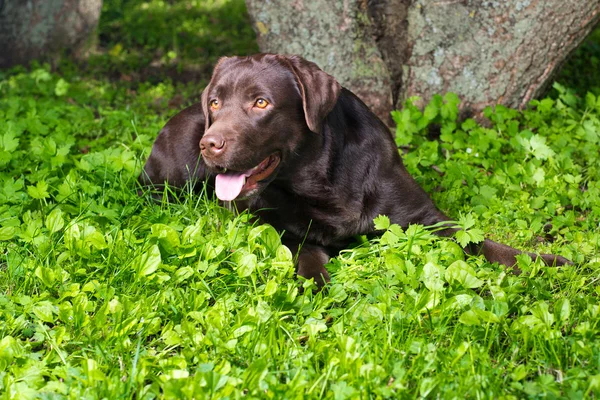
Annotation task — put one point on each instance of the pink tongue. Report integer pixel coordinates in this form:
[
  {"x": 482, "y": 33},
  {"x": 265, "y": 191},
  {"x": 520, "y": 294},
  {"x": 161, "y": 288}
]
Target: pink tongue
[{"x": 229, "y": 185}]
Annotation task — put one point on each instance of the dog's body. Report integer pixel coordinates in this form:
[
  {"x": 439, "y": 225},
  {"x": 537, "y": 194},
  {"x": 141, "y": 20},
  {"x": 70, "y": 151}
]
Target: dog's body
[{"x": 303, "y": 153}]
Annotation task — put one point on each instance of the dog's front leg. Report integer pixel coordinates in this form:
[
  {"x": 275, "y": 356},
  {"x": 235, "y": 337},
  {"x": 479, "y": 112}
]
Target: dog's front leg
[{"x": 310, "y": 259}]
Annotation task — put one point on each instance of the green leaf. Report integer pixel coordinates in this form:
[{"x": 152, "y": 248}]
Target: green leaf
[
  {"x": 432, "y": 277},
  {"x": 519, "y": 373},
  {"x": 183, "y": 273},
  {"x": 46, "y": 275},
  {"x": 246, "y": 263},
  {"x": 8, "y": 232},
  {"x": 168, "y": 238},
  {"x": 469, "y": 318},
  {"x": 242, "y": 330},
  {"x": 382, "y": 222},
  {"x": 433, "y": 108},
  {"x": 460, "y": 352},
  {"x": 467, "y": 234},
  {"x": 487, "y": 192},
  {"x": 171, "y": 338},
  {"x": 562, "y": 309},
  {"x": 264, "y": 311},
  {"x": 468, "y": 124},
  {"x": 283, "y": 254},
  {"x": 210, "y": 251},
  {"x": 266, "y": 236},
  {"x": 342, "y": 391},
  {"x": 592, "y": 130},
  {"x": 450, "y": 107},
  {"x": 538, "y": 176},
  {"x": 44, "y": 310},
  {"x": 486, "y": 316},
  {"x": 466, "y": 221},
  {"x": 541, "y": 311},
  {"x": 313, "y": 326},
  {"x": 535, "y": 145},
  {"x": 463, "y": 238},
  {"x": 9, "y": 142},
  {"x": 594, "y": 385},
  {"x": 55, "y": 221},
  {"x": 5, "y": 158},
  {"x": 371, "y": 314},
  {"x": 389, "y": 238},
  {"x": 9, "y": 349},
  {"x": 271, "y": 288},
  {"x": 41, "y": 75},
  {"x": 148, "y": 262},
  {"x": 12, "y": 190},
  {"x": 93, "y": 237},
  {"x": 337, "y": 293},
  {"x": 62, "y": 87},
  {"x": 590, "y": 100},
  {"x": 539, "y": 149},
  {"x": 461, "y": 272},
  {"x": 39, "y": 191},
  {"x": 477, "y": 235},
  {"x": 477, "y": 316}
]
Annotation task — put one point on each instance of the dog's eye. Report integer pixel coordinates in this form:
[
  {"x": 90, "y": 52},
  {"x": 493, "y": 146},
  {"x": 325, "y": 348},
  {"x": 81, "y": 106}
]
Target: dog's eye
[
  {"x": 261, "y": 103},
  {"x": 214, "y": 104}
]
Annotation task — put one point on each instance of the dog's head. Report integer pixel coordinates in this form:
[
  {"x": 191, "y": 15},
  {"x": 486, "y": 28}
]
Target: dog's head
[{"x": 258, "y": 110}]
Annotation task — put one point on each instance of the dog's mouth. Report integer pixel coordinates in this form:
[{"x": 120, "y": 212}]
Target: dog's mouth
[{"x": 231, "y": 185}]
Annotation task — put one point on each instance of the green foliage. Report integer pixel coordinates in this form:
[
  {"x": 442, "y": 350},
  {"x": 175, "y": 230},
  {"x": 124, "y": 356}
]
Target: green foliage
[
  {"x": 580, "y": 71},
  {"x": 191, "y": 34},
  {"x": 109, "y": 294},
  {"x": 525, "y": 171},
  {"x": 105, "y": 293},
  {"x": 468, "y": 233}
]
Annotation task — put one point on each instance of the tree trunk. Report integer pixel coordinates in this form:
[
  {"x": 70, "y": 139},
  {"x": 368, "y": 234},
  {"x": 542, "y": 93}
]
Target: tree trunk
[
  {"x": 488, "y": 52},
  {"x": 34, "y": 29},
  {"x": 337, "y": 35}
]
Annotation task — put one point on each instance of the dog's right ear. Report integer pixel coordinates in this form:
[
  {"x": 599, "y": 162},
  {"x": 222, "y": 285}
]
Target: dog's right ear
[
  {"x": 204, "y": 104},
  {"x": 319, "y": 90}
]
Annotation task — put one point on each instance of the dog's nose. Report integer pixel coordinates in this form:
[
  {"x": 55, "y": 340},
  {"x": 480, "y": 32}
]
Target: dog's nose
[{"x": 212, "y": 145}]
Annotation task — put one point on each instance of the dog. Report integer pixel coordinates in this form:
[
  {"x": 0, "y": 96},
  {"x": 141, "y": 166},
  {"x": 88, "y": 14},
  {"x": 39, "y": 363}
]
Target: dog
[{"x": 304, "y": 154}]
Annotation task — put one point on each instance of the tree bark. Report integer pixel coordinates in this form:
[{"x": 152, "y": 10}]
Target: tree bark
[
  {"x": 487, "y": 51},
  {"x": 337, "y": 35},
  {"x": 35, "y": 29}
]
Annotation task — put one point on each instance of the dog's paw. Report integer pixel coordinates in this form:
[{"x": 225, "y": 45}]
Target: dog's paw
[{"x": 311, "y": 261}]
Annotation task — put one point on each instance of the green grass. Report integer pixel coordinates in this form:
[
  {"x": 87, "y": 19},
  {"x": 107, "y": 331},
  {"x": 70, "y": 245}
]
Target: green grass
[{"x": 108, "y": 294}]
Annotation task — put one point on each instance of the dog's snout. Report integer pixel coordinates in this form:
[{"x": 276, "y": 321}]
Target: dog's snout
[{"x": 212, "y": 145}]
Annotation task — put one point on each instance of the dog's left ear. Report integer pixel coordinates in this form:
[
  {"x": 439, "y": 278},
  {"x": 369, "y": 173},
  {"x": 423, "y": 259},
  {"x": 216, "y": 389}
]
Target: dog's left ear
[
  {"x": 204, "y": 98},
  {"x": 319, "y": 90}
]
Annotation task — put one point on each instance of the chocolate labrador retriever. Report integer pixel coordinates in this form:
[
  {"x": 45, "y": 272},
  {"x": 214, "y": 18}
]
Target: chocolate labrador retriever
[{"x": 303, "y": 153}]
